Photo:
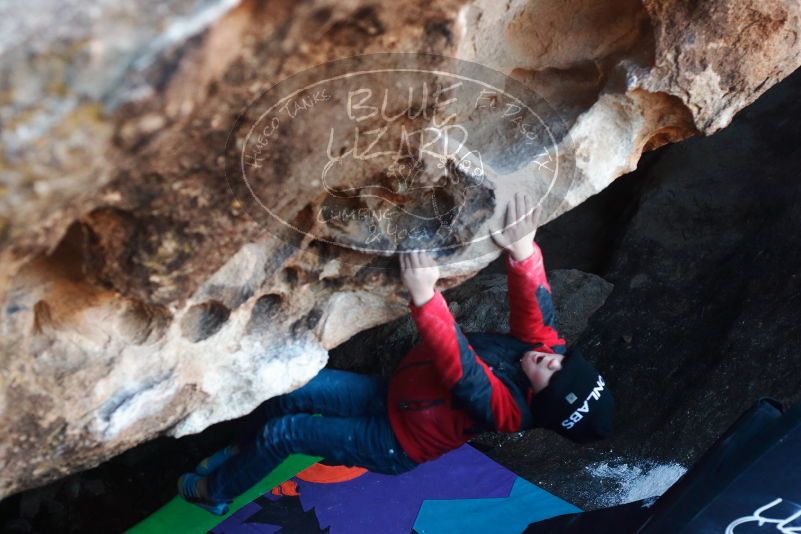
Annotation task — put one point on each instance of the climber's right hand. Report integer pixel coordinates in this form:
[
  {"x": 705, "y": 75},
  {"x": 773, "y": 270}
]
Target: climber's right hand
[
  {"x": 520, "y": 225},
  {"x": 419, "y": 273}
]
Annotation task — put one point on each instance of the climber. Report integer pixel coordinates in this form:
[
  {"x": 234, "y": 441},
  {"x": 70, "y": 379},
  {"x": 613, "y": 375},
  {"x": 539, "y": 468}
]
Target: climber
[{"x": 445, "y": 390}]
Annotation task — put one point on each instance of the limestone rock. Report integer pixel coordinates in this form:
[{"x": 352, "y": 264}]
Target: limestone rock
[{"x": 140, "y": 297}]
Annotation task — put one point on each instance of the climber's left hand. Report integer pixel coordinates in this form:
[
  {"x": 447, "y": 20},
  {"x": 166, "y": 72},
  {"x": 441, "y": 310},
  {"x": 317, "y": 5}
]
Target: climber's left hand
[{"x": 419, "y": 273}]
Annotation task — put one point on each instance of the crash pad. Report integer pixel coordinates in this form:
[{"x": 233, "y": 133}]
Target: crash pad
[
  {"x": 462, "y": 491},
  {"x": 178, "y": 516}
]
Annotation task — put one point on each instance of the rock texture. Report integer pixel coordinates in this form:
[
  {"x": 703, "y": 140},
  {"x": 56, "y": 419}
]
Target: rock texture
[
  {"x": 140, "y": 297},
  {"x": 64, "y": 67}
]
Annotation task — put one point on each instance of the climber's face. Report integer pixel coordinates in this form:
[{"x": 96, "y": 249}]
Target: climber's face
[{"x": 540, "y": 367}]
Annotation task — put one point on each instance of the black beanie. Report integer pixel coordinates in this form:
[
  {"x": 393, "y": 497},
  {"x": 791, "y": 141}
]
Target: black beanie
[{"x": 576, "y": 403}]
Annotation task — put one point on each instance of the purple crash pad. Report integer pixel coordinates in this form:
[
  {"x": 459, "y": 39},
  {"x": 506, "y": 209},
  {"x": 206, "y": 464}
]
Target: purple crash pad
[{"x": 374, "y": 502}]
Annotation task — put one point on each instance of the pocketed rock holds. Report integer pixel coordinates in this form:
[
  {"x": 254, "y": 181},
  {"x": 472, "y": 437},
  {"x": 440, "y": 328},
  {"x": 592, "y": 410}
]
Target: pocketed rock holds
[{"x": 140, "y": 298}]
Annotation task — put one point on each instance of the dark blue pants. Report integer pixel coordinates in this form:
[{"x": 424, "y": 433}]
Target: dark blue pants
[{"x": 354, "y": 431}]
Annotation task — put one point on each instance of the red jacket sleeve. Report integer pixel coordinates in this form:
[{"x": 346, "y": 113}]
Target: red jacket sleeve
[
  {"x": 532, "y": 316},
  {"x": 462, "y": 371}
]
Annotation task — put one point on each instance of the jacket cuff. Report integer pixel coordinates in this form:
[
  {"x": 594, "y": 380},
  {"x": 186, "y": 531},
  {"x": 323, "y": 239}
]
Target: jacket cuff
[
  {"x": 526, "y": 264},
  {"x": 433, "y": 303}
]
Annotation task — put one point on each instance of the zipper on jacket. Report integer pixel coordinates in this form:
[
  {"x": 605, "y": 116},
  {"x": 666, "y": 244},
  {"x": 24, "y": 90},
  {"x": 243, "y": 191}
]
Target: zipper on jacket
[
  {"x": 419, "y": 362},
  {"x": 417, "y": 405}
]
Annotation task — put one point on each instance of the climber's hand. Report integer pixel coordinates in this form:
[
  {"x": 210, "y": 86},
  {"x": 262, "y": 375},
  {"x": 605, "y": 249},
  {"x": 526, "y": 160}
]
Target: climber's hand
[
  {"x": 419, "y": 273},
  {"x": 519, "y": 227}
]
